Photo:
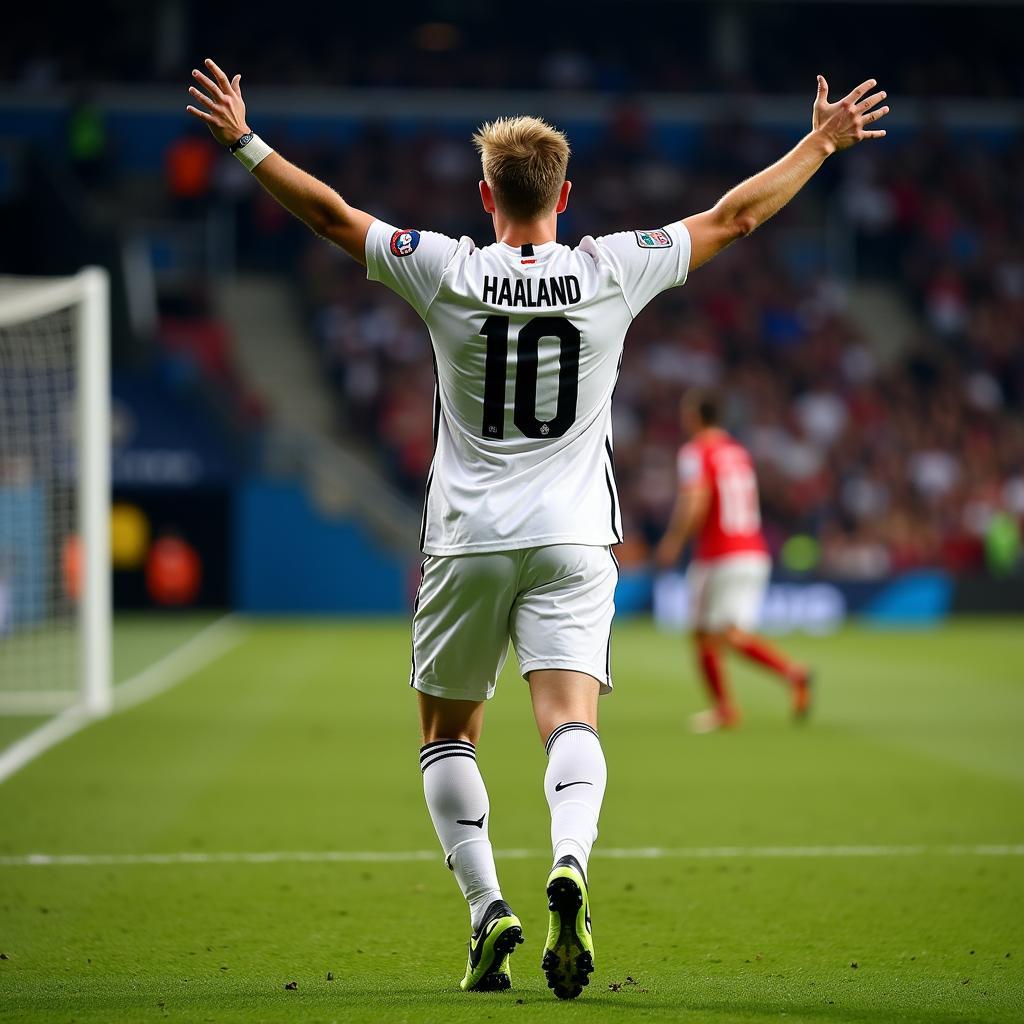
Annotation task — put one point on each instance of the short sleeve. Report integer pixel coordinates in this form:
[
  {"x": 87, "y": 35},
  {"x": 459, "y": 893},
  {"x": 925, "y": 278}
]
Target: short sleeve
[
  {"x": 690, "y": 466},
  {"x": 411, "y": 263},
  {"x": 647, "y": 262}
]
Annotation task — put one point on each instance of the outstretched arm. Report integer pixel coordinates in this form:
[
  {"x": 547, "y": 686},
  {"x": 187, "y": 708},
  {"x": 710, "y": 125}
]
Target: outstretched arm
[
  {"x": 309, "y": 199},
  {"x": 834, "y": 126}
]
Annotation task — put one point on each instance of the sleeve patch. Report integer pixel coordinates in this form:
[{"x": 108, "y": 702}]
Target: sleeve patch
[
  {"x": 656, "y": 238},
  {"x": 404, "y": 242}
]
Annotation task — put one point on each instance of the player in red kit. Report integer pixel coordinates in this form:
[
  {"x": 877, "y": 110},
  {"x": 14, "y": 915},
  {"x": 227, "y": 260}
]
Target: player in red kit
[{"x": 718, "y": 505}]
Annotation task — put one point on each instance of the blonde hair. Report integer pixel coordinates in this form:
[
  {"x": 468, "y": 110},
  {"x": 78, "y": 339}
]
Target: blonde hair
[{"x": 524, "y": 161}]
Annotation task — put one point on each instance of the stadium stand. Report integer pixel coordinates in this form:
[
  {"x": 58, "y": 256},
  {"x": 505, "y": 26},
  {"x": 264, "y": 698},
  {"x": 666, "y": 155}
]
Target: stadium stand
[
  {"x": 602, "y": 45},
  {"x": 885, "y": 414},
  {"x": 893, "y": 452}
]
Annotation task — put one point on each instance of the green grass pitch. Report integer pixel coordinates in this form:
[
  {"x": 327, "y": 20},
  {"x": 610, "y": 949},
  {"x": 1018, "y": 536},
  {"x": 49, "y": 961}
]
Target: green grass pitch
[{"x": 302, "y": 738}]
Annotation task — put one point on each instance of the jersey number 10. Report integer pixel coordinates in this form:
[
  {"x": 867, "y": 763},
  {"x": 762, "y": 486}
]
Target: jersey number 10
[{"x": 495, "y": 330}]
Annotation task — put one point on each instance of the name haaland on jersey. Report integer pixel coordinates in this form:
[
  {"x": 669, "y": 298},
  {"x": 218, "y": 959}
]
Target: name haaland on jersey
[{"x": 527, "y": 345}]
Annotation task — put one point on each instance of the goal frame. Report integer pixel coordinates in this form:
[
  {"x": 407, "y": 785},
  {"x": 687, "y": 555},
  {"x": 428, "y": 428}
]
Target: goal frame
[{"x": 87, "y": 293}]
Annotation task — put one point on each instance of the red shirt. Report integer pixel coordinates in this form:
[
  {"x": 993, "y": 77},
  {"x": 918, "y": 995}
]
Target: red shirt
[{"x": 733, "y": 522}]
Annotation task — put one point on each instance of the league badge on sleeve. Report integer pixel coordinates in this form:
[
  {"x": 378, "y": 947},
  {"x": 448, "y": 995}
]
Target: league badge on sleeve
[
  {"x": 656, "y": 238},
  {"x": 404, "y": 242}
]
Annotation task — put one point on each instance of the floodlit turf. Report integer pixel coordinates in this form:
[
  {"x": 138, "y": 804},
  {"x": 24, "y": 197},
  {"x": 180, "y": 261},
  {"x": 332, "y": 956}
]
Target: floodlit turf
[
  {"x": 141, "y": 641},
  {"x": 303, "y": 738}
]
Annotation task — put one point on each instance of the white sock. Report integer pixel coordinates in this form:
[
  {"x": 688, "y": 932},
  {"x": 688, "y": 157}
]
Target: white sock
[
  {"x": 459, "y": 808},
  {"x": 574, "y": 785}
]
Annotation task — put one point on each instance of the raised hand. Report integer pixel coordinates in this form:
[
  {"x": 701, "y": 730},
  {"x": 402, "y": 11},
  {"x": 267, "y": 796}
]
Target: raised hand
[
  {"x": 845, "y": 121},
  {"x": 225, "y": 113}
]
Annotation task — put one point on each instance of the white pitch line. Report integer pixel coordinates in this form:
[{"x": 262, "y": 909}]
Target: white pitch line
[
  {"x": 196, "y": 653},
  {"x": 37, "y": 742},
  {"x": 205, "y": 647},
  {"x": 33, "y": 860}
]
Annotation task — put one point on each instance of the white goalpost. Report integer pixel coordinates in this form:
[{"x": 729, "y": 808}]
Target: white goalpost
[{"x": 55, "y": 601}]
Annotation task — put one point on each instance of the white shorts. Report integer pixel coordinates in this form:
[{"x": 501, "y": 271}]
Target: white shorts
[
  {"x": 728, "y": 592},
  {"x": 555, "y": 603}
]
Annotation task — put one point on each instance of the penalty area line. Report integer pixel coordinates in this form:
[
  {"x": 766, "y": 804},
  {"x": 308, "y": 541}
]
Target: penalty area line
[
  {"x": 410, "y": 856},
  {"x": 184, "y": 661}
]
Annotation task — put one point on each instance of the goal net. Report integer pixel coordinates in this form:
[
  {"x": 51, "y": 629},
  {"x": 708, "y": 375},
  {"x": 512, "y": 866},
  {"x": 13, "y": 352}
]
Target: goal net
[{"x": 54, "y": 494}]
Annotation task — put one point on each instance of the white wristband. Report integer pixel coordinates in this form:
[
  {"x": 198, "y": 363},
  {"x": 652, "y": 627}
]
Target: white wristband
[{"x": 250, "y": 153}]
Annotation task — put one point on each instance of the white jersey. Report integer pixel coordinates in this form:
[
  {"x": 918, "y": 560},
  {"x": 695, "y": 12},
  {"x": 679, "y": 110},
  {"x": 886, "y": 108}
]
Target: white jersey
[{"x": 527, "y": 346}]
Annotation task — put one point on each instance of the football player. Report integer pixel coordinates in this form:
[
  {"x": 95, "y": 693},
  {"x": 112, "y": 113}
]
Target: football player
[
  {"x": 717, "y": 505},
  {"x": 521, "y": 511}
]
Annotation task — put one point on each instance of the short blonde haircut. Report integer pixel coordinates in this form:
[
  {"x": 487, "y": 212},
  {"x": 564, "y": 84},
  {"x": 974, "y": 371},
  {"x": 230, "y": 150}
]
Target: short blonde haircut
[{"x": 524, "y": 161}]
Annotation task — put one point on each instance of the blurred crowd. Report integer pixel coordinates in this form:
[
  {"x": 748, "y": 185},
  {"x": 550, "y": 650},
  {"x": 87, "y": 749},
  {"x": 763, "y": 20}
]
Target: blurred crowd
[
  {"x": 881, "y": 444},
  {"x": 868, "y": 342},
  {"x": 662, "y": 45}
]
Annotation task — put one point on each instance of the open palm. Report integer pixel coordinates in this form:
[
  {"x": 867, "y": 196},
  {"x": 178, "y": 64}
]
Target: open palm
[
  {"x": 225, "y": 109},
  {"x": 846, "y": 120}
]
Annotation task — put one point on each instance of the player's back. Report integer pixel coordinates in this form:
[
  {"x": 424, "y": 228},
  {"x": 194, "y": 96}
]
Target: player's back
[
  {"x": 527, "y": 344},
  {"x": 733, "y": 522}
]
